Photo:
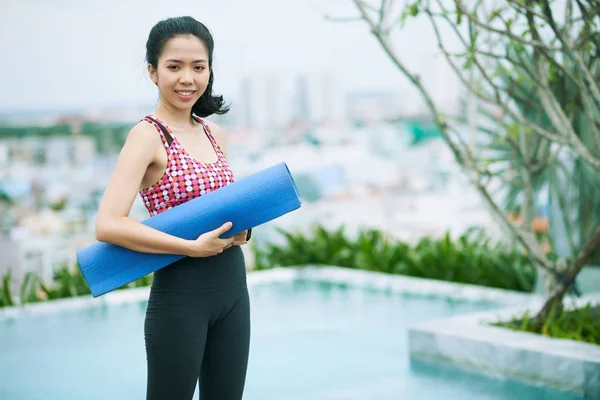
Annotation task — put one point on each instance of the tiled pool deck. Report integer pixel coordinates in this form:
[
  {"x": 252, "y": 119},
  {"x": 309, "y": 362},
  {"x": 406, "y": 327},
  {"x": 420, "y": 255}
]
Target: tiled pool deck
[{"x": 466, "y": 341}]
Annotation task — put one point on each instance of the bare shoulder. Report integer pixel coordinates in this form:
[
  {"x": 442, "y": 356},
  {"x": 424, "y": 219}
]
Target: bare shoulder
[
  {"x": 142, "y": 144},
  {"x": 217, "y": 134},
  {"x": 144, "y": 132},
  {"x": 216, "y": 131}
]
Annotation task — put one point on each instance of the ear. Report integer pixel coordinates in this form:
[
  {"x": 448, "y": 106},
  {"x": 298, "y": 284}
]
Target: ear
[{"x": 152, "y": 73}]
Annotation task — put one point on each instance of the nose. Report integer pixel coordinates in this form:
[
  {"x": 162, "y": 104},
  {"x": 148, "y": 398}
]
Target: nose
[{"x": 186, "y": 77}]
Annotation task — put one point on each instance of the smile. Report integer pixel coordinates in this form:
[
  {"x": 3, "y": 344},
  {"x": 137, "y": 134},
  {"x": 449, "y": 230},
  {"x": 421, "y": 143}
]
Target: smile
[{"x": 185, "y": 95}]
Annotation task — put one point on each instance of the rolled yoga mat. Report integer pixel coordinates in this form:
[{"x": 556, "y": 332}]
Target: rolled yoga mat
[{"x": 248, "y": 202}]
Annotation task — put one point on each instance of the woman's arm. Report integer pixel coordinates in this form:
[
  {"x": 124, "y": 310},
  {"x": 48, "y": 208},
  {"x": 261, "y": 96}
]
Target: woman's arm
[{"x": 113, "y": 224}]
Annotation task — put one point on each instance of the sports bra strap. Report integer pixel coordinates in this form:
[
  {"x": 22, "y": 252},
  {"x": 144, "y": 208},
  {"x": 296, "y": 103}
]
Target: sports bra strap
[{"x": 163, "y": 129}]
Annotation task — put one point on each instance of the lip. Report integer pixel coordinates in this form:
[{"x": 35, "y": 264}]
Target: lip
[{"x": 185, "y": 98}]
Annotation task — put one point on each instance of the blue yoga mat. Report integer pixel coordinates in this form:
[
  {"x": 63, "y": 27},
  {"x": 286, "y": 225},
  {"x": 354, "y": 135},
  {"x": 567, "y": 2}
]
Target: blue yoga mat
[{"x": 248, "y": 202}]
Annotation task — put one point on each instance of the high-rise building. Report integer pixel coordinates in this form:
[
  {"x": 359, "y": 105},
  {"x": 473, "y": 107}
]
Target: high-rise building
[{"x": 276, "y": 101}]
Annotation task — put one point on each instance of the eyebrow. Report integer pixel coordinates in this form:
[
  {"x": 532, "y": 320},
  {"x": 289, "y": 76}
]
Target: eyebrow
[{"x": 179, "y": 61}]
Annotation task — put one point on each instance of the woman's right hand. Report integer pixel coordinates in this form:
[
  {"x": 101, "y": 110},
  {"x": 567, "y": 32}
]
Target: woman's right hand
[{"x": 209, "y": 243}]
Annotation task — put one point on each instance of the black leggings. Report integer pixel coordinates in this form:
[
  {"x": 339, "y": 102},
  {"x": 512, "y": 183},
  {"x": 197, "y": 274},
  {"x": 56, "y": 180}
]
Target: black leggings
[{"x": 198, "y": 327}]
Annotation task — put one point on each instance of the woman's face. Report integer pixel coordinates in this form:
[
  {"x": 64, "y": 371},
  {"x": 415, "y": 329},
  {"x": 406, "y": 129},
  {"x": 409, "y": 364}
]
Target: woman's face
[{"x": 182, "y": 72}]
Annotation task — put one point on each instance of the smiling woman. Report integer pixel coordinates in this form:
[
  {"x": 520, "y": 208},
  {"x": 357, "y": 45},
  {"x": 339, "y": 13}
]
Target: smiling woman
[
  {"x": 185, "y": 70},
  {"x": 197, "y": 322}
]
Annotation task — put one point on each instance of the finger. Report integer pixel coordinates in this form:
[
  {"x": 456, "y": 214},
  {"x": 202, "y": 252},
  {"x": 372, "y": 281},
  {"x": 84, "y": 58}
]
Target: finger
[
  {"x": 229, "y": 241},
  {"x": 242, "y": 235},
  {"x": 224, "y": 228}
]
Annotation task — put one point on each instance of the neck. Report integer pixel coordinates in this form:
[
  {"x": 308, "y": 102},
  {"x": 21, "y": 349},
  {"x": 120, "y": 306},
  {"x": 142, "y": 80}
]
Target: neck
[{"x": 174, "y": 117}]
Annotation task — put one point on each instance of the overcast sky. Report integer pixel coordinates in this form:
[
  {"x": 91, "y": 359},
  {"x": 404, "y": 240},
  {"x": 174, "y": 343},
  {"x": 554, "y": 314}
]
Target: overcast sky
[{"x": 73, "y": 54}]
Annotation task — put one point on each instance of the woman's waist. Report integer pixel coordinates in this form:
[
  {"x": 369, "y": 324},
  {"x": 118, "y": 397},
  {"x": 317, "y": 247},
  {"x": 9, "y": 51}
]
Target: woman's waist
[{"x": 204, "y": 273}]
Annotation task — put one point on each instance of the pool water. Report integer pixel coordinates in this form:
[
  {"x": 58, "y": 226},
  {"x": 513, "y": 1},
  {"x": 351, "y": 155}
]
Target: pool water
[{"x": 310, "y": 340}]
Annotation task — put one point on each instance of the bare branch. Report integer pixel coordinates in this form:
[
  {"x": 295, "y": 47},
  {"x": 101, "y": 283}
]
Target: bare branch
[
  {"x": 494, "y": 87},
  {"x": 527, "y": 239},
  {"x": 554, "y": 110},
  {"x": 526, "y": 100},
  {"x": 464, "y": 155},
  {"x": 528, "y": 190},
  {"x": 584, "y": 254},
  {"x": 564, "y": 70},
  {"x": 497, "y": 99},
  {"x": 568, "y": 48},
  {"x": 382, "y": 14},
  {"x": 526, "y": 9},
  {"x": 367, "y": 6},
  {"x": 569, "y": 16},
  {"x": 577, "y": 265},
  {"x": 589, "y": 16},
  {"x": 507, "y": 32}
]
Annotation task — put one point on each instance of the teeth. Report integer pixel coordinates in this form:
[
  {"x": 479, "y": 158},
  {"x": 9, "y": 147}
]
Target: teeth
[{"x": 185, "y": 93}]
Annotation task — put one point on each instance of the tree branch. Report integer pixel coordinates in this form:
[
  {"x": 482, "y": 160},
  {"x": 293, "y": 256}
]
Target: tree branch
[
  {"x": 526, "y": 100},
  {"x": 528, "y": 190},
  {"x": 366, "y": 6},
  {"x": 555, "y": 111},
  {"x": 568, "y": 48},
  {"x": 584, "y": 255},
  {"x": 497, "y": 99},
  {"x": 507, "y": 32},
  {"x": 526, "y": 9},
  {"x": 569, "y": 276},
  {"x": 534, "y": 127},
  {"x": 382, "y": 15},
  {"x": 464, "y": 156},
  {"x": 589, "y": 16}
]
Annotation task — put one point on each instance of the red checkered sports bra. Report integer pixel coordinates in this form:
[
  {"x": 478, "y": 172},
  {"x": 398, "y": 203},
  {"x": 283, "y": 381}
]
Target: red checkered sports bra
[{"x": 185, "y": 178}]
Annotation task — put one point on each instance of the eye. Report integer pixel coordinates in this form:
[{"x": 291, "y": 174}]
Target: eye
[
  {"x": 200, "y": 68},
  {"x": 173, "y": 67}
]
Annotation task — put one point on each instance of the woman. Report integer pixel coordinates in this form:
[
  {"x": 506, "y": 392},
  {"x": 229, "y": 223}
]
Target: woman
[{"x": 198, "y": 318}]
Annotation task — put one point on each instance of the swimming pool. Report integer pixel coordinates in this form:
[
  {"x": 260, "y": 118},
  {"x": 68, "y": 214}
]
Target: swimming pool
[{"x": 310, "y": 340}]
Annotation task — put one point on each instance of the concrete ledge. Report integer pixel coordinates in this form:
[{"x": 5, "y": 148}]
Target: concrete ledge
[
  {"x": 469, "y": 342},
  {"x": 332, "y": 274},
  {"x": 411, "y": 285},
  {"x": 123, "y": 297}
]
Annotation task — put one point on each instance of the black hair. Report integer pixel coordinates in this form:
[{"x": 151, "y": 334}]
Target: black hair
[{"x": 164, "y": 30}]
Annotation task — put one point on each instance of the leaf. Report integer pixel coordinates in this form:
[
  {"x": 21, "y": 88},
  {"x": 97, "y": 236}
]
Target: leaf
[
  {"x": 414, "y": 9},
  {"x": 468, "y": 64},
  {"x": 495, "y": 14}
]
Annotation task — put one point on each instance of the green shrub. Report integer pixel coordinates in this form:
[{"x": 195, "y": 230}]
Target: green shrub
[
  {"x": 472, "y": 258},
  {"x": 582, "y": 324},
  {"x": 5, "y": 295},
  {"x": 66, "y": 283}
]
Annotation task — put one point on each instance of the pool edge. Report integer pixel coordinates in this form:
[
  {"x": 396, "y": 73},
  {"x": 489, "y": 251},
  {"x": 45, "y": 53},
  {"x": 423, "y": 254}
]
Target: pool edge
[{"x": 468, "y": 342}]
